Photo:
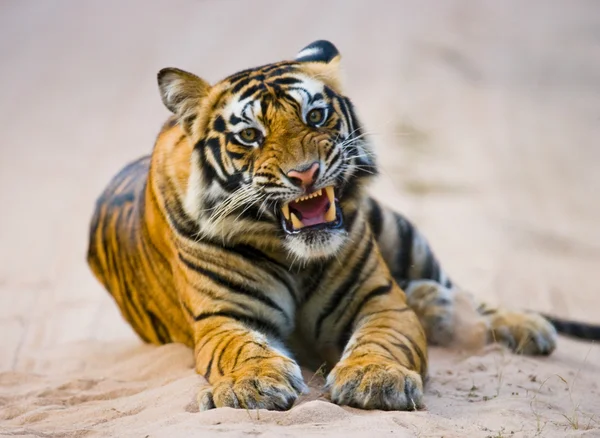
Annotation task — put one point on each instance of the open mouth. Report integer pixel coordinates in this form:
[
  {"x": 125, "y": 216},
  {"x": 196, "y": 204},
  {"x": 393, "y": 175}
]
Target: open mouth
[{"x": 315, "y": 210}]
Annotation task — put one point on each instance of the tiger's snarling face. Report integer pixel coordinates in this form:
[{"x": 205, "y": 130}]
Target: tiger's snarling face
[{"x": 277, "y": 146}]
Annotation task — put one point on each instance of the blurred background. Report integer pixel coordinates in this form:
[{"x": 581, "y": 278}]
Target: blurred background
[{"x": 485, "y": 116}]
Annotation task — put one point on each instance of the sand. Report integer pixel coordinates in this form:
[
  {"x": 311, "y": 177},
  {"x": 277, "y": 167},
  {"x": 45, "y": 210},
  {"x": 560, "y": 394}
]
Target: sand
[{"x": 486, "y": 116}]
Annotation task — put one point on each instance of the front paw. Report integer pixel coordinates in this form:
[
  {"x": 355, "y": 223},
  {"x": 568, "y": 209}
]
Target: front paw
[
  {"x": 526, "y": 333},
  {"x": 375, "y": 384},
  {"x": 270, "y": 383}
]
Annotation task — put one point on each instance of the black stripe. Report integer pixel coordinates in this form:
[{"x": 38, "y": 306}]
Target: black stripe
[
  {"x": 367, "y": 315},
  {"x": 287, "y": 80},
  {"x": 342, "y": 290},
  {"x": 219, "y": 124},
  {"x": 356, "y": 289},
  {"x": 248, "y": 359},
  {"x": 182, "y": 224},
  {"x": 233, "y": 287},
  {"x": 312, "y": 279},
  {"x": 431, "y": 268},
  {"x": 356, "y": 127},
  {"x": 253, "y": 253},
  {"x": 161, "y": 331},
  {"x": 219, "y": 366},
  {"x": 280, "y": 70},
  {"x": 206, "y": 338},
  {"x": 379, "y": 344},
  {"x": 408, "y": 353},
  {"x": 215, "y": 147},
  {"x": 273, "y": 185},
  {"x": 402, "y": 344},
  {"x": 328, "y": 156},
  {"x": 241, "y": 348},
  {"x": 237, "y": 155},
  {"x": 344, "y": 105},
  {"x": 404, "y": 255},
  {"x": 346, "y": 331},
  {"x": 415, "y": 347},
  {"x": 267, "y": 263},
  {"x": 241, "y": 83},
  {"x": 375, "y": 218},
  {"x": 212, "y": 358},
  {"x": 248, "y": 321},
  {"x": 234, "y": 120},
  {"x": 350, "y": 219},
  {"x": 275, "y": 69},
  {"x": 318, "y": 96},
  {"x": 251, "y": 90}
]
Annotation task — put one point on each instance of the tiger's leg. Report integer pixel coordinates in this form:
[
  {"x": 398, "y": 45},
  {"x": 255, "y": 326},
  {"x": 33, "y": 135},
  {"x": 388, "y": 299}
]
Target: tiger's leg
[
  {"x": 358, "y": 312},
  {"x": 239, "y": 315},
  {"x": 432, "y": 295},
  {"x": 245, "y": 368},
  {"x": 429, "y": 291}
]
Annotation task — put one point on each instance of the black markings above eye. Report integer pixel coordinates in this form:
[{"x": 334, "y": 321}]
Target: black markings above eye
[
  {"x": 316, "y": 116},
  {"x": 219, "y": 124}
]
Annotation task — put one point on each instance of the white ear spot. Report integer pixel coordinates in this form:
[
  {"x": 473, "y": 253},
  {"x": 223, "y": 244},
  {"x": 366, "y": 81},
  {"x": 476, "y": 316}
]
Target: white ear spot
[{"x": 309, "y": 53}]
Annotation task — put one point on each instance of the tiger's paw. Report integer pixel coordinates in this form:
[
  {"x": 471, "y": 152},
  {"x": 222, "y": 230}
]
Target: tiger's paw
[
  {"x": 434, "y": 304},
  {"x": 273, "y": 384},
  {"x": 386, "y": 385},
  {"x": 524, "y": 333}
]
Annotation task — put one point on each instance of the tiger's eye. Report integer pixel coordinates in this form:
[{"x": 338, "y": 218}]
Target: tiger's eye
[
  {"x": 250, "y": 135},
  {"x": 315, "y": 116}
]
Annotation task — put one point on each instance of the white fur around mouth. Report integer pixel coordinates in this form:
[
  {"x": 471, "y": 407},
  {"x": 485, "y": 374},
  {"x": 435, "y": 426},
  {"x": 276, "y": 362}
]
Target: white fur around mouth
[{"x": 316, "y": 208}]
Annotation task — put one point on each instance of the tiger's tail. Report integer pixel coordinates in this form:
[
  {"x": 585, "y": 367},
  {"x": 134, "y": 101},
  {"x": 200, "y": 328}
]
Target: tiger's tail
[{"x": 575, "y": 329}]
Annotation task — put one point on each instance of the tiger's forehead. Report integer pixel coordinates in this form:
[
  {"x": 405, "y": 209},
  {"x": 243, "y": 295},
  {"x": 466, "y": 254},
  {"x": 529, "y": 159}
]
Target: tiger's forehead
[{"x": 251, "y": 94}]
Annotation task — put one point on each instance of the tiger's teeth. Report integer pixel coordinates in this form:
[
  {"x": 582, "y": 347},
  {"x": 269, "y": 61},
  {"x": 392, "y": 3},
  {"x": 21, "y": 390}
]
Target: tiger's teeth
[
  {"x": 331, "y": 213},
  {"x": 296, "y": 223},
  {"x": 286, "y": 211},
  {"x": 330, "y": 195},
  {"x": 310, "y": 196}
]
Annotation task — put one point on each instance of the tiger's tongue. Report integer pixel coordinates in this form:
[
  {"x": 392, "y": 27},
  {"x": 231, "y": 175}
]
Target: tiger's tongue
[{"x": 312, "y": 211}]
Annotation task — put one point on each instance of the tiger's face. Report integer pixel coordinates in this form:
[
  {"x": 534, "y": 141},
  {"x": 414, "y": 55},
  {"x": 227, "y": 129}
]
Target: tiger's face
[{"x": 277, "y": 145}]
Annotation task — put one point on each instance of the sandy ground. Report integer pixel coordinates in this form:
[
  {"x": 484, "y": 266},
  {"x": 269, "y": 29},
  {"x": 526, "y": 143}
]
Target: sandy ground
[{"x": 486, "y": 116}]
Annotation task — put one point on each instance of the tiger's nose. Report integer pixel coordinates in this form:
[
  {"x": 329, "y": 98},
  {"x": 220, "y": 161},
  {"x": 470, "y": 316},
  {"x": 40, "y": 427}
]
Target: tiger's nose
[{"x": 304, "y": 178}]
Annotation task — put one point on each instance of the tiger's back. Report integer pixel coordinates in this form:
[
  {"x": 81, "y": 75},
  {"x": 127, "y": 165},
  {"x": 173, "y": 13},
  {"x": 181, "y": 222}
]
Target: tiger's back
[{"x": 129, "y": 254}]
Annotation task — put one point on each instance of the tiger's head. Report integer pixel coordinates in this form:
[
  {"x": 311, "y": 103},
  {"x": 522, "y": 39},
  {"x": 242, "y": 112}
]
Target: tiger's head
[{"x": 276, "y": 147}]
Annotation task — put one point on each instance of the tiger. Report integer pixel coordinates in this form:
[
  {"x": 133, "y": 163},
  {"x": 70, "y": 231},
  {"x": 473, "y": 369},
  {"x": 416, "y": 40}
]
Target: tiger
[{"x": 249, "y": 235}]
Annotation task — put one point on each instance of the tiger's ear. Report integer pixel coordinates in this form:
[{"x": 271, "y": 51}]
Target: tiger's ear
[
  {"x": 322, "y": 60},
  {"x": 181, "y": 92}
]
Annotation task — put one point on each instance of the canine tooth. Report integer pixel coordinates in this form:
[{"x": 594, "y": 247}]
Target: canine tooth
[
  {"x": 330, "y": 215},
  {"x": 319, "y": 192},
  {"x": 286, "y": 211},
  {"x": 296, "y": 223},
  {"x": 330, "y": 195}
]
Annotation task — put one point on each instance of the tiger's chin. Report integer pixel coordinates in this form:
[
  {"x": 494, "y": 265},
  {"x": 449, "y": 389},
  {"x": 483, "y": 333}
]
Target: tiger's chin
[
  {"x": 313, "y": 225},
  {"x": 315, "y": 244}
]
